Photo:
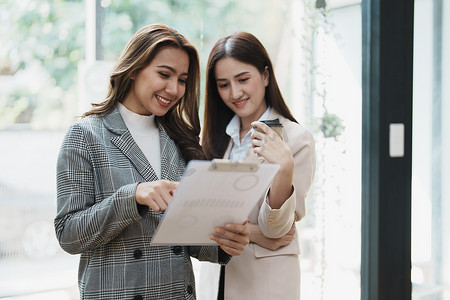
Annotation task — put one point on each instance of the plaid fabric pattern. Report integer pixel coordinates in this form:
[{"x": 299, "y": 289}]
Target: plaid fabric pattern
[{"x": 98, "y": 169}]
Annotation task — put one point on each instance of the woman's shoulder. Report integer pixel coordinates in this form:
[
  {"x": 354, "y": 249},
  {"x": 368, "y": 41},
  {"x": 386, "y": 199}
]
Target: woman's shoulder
[
  {"x": 87, "y": 123},
  {"x": 297, "y": 133},
  {"x": 84, "y": 127},
  {"x": 292, "y": 129}
]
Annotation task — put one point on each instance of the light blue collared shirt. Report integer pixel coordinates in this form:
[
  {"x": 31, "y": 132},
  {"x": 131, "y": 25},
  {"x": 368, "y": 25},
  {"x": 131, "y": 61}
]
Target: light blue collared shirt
[{"x": 240, "y": 148}]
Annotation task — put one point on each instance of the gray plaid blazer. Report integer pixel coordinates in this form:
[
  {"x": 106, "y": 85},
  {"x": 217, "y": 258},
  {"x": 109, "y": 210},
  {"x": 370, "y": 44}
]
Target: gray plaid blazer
[{"x": 98, "y": 169}]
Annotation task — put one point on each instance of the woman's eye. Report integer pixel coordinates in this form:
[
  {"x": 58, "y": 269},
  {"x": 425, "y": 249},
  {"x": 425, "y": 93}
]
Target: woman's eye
[
  {"x": 182, "y": 80},
  {"x": 223, "y": 85},
  {"x": 164, "y": 74},
  {"x": 243, "y": 80}
]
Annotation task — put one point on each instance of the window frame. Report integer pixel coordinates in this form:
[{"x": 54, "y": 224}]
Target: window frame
[{"x": 386, "y": 181}]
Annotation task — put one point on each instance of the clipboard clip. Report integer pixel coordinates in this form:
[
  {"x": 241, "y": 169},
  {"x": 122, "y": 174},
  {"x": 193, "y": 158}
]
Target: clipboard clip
[{"x": 236, "y": 166}]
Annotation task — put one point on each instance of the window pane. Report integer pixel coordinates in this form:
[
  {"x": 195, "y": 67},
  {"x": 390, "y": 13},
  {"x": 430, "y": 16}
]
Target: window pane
[
  {"x": 330, "y": 234},
  {"x": 49, "y": 75},
  {"x": 41, "y": 44},
  {"x": 431, "y": 164}
]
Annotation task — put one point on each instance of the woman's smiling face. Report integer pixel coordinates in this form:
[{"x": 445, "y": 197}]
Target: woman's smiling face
[
  {"x": 162, "y": 83},
  {"x": 242, "y": 88}
]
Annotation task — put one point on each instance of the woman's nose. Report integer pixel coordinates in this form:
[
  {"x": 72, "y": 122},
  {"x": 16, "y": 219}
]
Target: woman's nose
[
  {"x": 171, "y": 87},
  {"x": 236, "y": 92}
]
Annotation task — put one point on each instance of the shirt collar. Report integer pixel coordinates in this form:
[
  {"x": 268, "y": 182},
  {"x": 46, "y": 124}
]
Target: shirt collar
[{"x": 234, "y": 126}]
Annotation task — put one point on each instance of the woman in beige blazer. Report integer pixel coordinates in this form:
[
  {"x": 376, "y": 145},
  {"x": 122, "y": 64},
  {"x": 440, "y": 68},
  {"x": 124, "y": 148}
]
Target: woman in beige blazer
[{"x": 241, "y": 91}]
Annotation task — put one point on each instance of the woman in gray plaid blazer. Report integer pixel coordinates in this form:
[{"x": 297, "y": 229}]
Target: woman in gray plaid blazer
[{"x": 110, "y": 198}]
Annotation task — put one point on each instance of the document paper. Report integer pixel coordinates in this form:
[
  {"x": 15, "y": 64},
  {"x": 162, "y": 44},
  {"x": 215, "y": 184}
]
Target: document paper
[{"x": 207, "y": 198}]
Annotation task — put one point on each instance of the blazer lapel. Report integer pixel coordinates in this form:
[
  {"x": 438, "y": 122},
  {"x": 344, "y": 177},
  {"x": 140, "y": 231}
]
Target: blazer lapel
[
  {"x": 124, "y": 141},
  {"x": 172, "y": 165}
]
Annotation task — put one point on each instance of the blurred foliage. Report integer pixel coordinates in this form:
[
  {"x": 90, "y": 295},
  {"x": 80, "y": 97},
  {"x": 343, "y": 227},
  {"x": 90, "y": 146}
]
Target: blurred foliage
[
  {"x": 42, "y": 31},
  {"x": 331, "y": 125},
  {"x": 11, "y": 111},
  {"x": 202, "y": 22},
  {"x": 316, "y": 21},
  {"x": 43, "y": 42}
]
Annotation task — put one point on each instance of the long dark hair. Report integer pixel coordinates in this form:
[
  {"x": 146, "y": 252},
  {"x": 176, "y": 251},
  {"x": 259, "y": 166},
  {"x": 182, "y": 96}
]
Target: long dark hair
[
  {"x": 181, "y": 122},
  {"x": 245, "y": 48}
]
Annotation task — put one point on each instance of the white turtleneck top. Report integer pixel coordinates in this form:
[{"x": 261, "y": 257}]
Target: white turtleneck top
[{"x": 145, "y": 132}]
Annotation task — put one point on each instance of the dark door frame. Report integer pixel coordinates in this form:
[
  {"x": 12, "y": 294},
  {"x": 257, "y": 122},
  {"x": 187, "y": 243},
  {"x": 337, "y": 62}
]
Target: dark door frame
[{"x": 387, "y": 56}]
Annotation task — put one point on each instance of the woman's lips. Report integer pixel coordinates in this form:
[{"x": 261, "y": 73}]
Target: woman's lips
[
  {"x": 162, "y": 101},
  {"x": 240, "y": 103}
]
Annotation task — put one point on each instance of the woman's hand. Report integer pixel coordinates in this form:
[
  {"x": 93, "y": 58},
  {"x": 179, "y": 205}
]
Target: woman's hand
[
  {"x": 269, "y": 145},
  {"x": 232, "y": 238},
  {"x": 258, "y": 238},
  {"x": 155, "y": 194}
]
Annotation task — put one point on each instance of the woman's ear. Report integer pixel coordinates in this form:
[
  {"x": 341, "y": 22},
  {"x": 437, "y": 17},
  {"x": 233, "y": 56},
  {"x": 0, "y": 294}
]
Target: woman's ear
[{"x": 266, "y": 76}]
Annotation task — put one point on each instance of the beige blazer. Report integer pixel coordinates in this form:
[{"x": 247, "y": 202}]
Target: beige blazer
[{"x": 260, "y": 273}]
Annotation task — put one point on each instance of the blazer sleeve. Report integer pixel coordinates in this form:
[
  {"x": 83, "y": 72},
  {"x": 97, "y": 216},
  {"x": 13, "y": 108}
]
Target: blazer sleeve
[
  {"x": 275, "y": 223},
  {"x": 83, "y": 222}
]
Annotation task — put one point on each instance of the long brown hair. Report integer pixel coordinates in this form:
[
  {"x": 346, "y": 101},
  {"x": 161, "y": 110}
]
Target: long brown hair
[
  {"x": 181, "y": 122},
  {"x": 245, "y": 48}
]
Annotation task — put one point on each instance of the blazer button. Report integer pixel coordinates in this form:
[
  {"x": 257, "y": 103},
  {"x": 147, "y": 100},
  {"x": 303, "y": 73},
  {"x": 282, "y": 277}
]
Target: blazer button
[
  {"x": 137, "y": 254},
  {"x": 190, "y": 289},
  {"x": 138, "y": 297},
  {"x": 177, "y": 250}
]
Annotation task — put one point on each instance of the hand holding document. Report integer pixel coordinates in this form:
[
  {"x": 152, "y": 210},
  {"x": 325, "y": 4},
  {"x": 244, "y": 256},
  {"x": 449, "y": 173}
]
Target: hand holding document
[{"x": 212, "y": 194}]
